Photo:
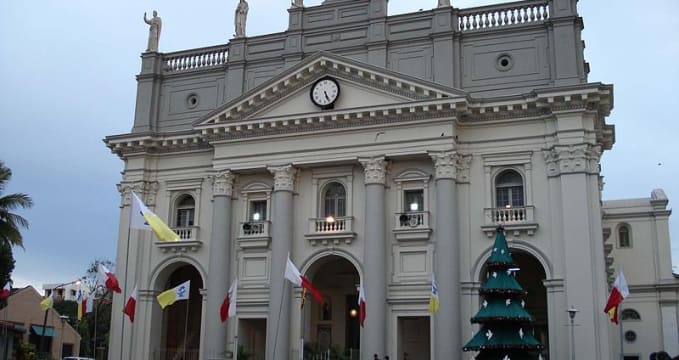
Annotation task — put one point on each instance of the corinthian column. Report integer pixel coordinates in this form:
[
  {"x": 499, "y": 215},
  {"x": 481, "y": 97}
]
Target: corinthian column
[
  {"x": 374, "y": 259},
  {"x": 218, "y": 277},
  {"x": 278, "y": 322},
  {"x": 447, "y": 252}
]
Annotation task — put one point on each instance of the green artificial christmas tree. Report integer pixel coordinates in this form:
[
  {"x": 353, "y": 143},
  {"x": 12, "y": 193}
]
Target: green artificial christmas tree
[{"x": 505, "y": 324}]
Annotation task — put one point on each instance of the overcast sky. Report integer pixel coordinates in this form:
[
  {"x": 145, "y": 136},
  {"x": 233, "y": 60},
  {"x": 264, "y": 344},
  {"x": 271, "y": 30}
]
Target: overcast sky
[{"x": 67, "y": 80}]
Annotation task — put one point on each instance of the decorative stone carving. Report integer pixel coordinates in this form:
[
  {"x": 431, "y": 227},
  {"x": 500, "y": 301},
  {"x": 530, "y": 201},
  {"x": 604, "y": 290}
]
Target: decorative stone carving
[
  {"x": 570, "y": 159},
  {"x": 375, "y": 170},
  {"x": 155, "y": 24},
  {"x": 283, "y": 177},
  {"x": 451, "y": 165},
  {"x": 222, "y": 184},
  {"x": 146, "y": 190},
  {"x": 240, "y": 18}
]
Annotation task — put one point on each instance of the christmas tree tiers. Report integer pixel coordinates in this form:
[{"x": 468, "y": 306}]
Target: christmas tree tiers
[{"x": 505, "y": 324}]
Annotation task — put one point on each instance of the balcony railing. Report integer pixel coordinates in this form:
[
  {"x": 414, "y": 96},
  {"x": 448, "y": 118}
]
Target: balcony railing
[
  {"x": 494, "y": 16},
  {"x": 195, "y": 59},
  {"x": 254, "y": 234},
  {"x": 515, "y": 218},
  {"x": 186, "y": 233},
  {"x": 412, "y": 225},
  {"x": 188, "y": 240},
  {"x": 331, "y": 229}
]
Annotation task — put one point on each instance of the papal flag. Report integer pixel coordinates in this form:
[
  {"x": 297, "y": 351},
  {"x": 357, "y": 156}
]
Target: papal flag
[
  {"x": 434, "y": 296},
  {"x": 81, "y": 302},
  {"x": 144, "y": 219},
  {"x": 179, "y": 292},
  {"x": 47, "y": 302}
]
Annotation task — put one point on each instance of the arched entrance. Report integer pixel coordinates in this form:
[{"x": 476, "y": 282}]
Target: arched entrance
[
  {"x": 332, "y": 327},
  {"x": 181, "y": 321},
  {"x": 531, "y": 275}
]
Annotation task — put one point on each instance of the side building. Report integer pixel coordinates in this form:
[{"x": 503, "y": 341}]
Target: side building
[{"x": 376, "y": 150}]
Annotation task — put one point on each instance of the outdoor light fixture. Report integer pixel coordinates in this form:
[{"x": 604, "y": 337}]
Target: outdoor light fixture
[
  {"x": 571, "y": 314},
  {"x": 353, "y": 313}
]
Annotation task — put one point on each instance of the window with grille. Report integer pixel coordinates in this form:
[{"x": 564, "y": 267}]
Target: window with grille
[
  {"x": 509, "y": 189},
  {"x": 186, "y": 209},
  {"x": 624, "y": 240},
  {"x": 335, "y": 200}
]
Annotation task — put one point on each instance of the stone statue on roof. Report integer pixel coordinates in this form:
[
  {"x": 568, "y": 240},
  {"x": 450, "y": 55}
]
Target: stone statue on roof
[
  {"x": 241, "y": 18},
  {"x": 444, "y": 3},
  {"x": 155, "y": 24}
]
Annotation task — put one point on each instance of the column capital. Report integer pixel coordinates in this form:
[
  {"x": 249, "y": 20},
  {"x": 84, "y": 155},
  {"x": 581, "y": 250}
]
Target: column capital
[
  {"x": 147, "y": 191},
  {"x": 375, "y": 169},
  {"x": 283, "y": 177},
  {"x": 451, "y": 165},
  {"x": 572, "y": 159},
  {"x": 222, "y": 183}
]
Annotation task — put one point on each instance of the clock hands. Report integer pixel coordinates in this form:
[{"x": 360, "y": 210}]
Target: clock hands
[{"x": 326, "y": 95}]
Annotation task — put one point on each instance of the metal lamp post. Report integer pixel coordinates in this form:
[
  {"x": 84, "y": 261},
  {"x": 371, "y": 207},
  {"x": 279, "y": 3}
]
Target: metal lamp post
[
  {"x": 44, "y": 322},
  {"x": 61, "y": 346},
  {"x": 571, "y": 314}
]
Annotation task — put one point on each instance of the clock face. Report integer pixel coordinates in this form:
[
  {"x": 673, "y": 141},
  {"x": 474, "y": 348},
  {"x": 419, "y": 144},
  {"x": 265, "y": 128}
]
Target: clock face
[{"x": 325, "y": 92}]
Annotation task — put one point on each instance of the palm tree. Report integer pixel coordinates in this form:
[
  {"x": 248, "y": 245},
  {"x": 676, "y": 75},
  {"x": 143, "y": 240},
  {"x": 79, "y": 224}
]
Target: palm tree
[{"x": 10, "y": 223}]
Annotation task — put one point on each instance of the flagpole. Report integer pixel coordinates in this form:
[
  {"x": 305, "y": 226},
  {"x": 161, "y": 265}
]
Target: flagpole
[
  {"x": 186, "y": 324},
  {"x": 622, "y": 353},
  {"x": 94, "y": 308},
  {"x": 127, "y": 261},
  {"x": 302, "y": 328}
]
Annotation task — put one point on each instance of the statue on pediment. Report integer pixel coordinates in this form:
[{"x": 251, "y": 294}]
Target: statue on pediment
[
  {"x": 241, "y": 18},
  {"x": 297, "y": 3},
  {"x": 444, "y": 3},
  {"x": 155, "y": 24}
]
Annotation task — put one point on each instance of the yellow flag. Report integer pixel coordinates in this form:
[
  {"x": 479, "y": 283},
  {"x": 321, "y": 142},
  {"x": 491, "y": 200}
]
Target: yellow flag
[
  {"x": 143, "y": 218},
  {"x": 169, "y": 297},
  {"x": 434, "y": 296},
  {"x": 46, "y": 303}
]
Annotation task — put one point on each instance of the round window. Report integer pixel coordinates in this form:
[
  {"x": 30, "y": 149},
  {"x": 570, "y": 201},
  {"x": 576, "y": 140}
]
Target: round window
[
  {"x": 192, "y": 101},
  {"x": 630, "y": 336},
  {"x": 504, "y": 62}
]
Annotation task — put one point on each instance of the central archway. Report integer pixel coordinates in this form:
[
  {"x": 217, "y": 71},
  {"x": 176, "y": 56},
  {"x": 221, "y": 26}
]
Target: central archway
[{"x": 332, "y": 326}]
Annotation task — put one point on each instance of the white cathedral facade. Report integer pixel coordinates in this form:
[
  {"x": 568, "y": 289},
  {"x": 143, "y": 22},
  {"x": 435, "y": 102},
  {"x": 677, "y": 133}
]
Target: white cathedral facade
[{"x": 380, "y": 150}]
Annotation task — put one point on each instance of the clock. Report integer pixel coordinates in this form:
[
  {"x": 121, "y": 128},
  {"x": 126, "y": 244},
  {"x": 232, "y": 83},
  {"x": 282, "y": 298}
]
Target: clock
[{"x": 325, "y": 92}]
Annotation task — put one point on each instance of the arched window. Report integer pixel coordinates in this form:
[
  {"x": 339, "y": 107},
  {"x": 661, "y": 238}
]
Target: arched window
[
  {"x": 624, "y": 238},
  {"x": 335, "y": 200},
  {"x": 186, "y": 209},
  {"x": 509, "y": 189},
  {"x": 630, "y": 314}
]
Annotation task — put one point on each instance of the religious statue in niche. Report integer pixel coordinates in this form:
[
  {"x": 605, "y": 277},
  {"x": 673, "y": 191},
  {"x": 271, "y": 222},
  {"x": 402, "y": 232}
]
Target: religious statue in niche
[
  {"x": 155, "y": 24},
  {"x": 326, "y": 310},
  {"x": 241, "y": 18}
]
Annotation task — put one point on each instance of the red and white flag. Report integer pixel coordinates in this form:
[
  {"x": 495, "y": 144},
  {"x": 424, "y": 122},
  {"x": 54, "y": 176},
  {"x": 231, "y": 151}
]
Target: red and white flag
[
  {"x": 228, "y": 308},
  {"x": 106, "y": 278},
  {"x": 295, "y": 277},
  {"x": 4, "y": 293},
  {"x": 131, "y": 304},
  {"x": 619, "y": 292},
  {"x": 361, "y": 304}
]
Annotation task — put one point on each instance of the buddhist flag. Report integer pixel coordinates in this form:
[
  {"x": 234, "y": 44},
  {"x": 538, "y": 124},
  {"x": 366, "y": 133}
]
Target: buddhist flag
[
  {"x": 143, "y": 218},
  {"x": 81, "y": 302},
  {"x": 4, "y": 293},
  {"x": 361, "y": 304},
  {"x": 131, "y": 304},
  {"x": 295, "y": 277},
  {"x": 619, "y": 292},
  {"x": 47, "y": 302},
  {"x": 228, "y": 308},
  {"x": 434, "y": 296},
  {"x": 106, "y": 278},
  {"x": 179, "y": 292}
]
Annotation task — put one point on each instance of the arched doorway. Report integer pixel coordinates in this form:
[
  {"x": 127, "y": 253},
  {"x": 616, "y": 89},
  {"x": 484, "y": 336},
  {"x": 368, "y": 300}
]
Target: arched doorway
[
  {"x": 332, "y": 327},
  {"x": 530, "y": 276},
  {"x": 181, "y": 324}
]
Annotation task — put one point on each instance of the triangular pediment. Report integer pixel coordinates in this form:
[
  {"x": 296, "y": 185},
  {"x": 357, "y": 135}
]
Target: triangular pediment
[{"x": 362, "y": 85}]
